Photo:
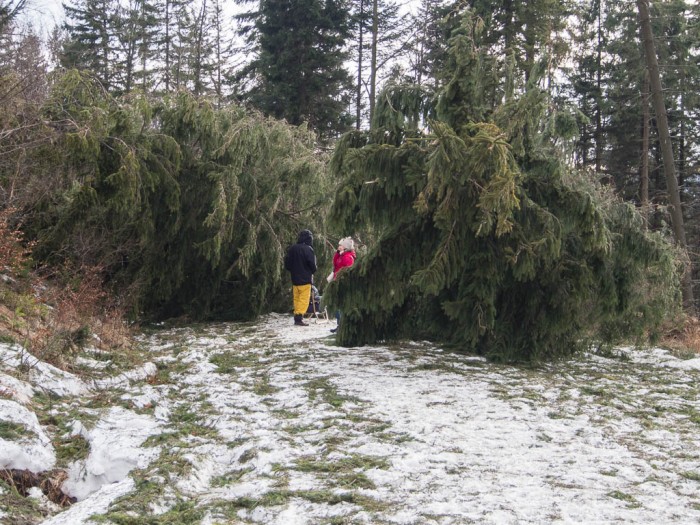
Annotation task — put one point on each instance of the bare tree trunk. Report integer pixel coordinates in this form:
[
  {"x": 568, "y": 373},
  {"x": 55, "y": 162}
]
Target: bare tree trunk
[
  {"x": 644, "y": 169},
  {"x": 199, "y": 50},
  {"x": 599, "y": 97},
  {"x": 145, "y": 43},
  {"x": 665, "y": 143},
  {"x": 167, "y": 46},
  {"x": 360, "y": 52},
  {"x": 373, "y": 65},
  {"x": 218, "y": 80}
]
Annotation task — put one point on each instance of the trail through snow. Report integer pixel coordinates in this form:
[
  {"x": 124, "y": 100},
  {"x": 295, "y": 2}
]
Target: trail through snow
[{"x": 274, "y": 424}]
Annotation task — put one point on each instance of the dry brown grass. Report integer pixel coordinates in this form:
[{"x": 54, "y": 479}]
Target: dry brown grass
[
  {"x": 49, "y": 482},
  {"x": 55, "y": 320},
  {"x": 684, "y": 336},
  {"x": 54, "y": 315},
  {"x": 13, "y": 252}
]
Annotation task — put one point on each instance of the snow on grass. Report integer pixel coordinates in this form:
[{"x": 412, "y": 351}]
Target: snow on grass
[
  {"x": 115, "y": 450},
  {"x": 50, "y": 378},
  {"x": 23, "y": 443},
  {"x": 274, "y": 424}
]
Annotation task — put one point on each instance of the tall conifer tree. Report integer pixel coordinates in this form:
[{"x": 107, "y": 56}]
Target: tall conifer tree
[
  {"x": 91, "y": 36},
  {"x": 298, "y": 73}
]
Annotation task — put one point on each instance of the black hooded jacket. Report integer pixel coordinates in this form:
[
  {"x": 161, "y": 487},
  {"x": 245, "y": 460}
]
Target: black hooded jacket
[{"x": 300, "y": 260}]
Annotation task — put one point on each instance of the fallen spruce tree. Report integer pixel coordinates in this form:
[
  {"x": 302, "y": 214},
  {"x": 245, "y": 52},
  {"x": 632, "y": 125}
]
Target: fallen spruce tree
[{"x": 482, "y": 235}]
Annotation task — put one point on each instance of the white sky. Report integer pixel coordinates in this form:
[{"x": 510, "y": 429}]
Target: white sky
[
  {"x": 45, "y": 13},
  {"x": 49, "y": 12}
]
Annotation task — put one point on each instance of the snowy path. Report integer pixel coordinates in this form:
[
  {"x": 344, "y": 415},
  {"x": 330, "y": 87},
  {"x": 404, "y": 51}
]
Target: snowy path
[{"x": 274, "y": 424}]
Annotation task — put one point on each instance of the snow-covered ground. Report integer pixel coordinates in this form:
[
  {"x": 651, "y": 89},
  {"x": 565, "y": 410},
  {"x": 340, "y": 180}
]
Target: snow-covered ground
[{"x": 269, "y": 423}]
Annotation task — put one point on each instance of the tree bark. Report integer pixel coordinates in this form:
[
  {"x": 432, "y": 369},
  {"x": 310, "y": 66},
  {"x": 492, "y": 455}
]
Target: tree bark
[
  {"x": 644, "y": 168},
  {"x": 665, "y": 143},
  {"x": 360, "y": 52},
  {"x": 373, "y": 65},
  {"x": 599, "y": 95}
]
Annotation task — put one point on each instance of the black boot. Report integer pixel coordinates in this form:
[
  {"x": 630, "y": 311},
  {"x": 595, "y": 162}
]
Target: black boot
[{"x": 299, "y": 321}]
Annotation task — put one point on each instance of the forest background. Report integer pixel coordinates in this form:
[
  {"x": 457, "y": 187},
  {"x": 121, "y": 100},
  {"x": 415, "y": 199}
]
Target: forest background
[{"x": 500, "y": 164}]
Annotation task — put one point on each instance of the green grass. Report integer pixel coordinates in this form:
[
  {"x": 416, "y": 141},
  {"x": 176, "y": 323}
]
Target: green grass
[
  {"x": 346, "y": 464},
  {"x": 322, "y": 388},
  {"x": 622, "y": 496},
  {"x": 230, "y": 362},
  {"x": 281, "y": 497},
  {"x": 189, "y": 423},
  {"x": 136, "y": 507},
  {"x": 248, "y": 455},
  {"x": 13, "y": 431},
  {"x": 19, "y": 510},
  {"x": 262, "y": 387},
  {"x": 230, "y": 477},
  {"x": 182, "y": 513},
  {"x": 69, "y": 449}
]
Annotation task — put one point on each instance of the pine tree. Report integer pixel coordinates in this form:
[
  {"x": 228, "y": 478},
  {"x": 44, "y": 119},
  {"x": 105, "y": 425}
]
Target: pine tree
[
  {"x": 526, "y": 30},
  {"x": 90, "y": 46},
  {"x": 182, "y": 45},
  {"x": 23, "y": 88},
  {"x": 9, "y": 11},
  {"x": 127, "y": 32},
  {"x": 298, "y": 72},
  {"x": 487, "y": 240},
  {"x": 588, "y": 77}
]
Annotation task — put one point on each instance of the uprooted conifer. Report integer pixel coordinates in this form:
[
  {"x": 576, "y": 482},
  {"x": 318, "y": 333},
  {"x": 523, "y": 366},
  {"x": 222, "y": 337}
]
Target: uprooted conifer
[
  {"x": 187, "y": 207},
  {"x": 488, "y": 240}
]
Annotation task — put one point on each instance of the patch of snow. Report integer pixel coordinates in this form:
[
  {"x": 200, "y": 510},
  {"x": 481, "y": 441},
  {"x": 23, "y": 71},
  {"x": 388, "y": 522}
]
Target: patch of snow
[
  {"x": 34, "y": 452},
  {"x": 115, "y": 450},
  {"x": 46, "y": 376},
  {"x": 145, "y": 397},
  {"x": 15, "y": 389},
  {"x": 684, "y": 364},
  {"x": 92, "y": 363},
  {"x": 96, "y": 503},
  {"x": 78, "y": 429},
  {"x": 144, "y": 371},
  {"x": 37, "y": 494}
]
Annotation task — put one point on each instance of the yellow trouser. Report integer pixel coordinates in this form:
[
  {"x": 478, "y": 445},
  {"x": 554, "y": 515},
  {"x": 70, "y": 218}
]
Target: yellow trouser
[{"x": 302, "y": 295}]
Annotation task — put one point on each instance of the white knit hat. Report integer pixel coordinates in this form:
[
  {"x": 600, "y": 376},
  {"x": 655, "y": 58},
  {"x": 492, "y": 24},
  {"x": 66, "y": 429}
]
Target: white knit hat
[{"x": 347, "y": 243}]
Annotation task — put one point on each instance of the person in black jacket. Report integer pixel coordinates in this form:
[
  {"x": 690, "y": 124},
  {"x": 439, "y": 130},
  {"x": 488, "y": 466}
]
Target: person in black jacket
[{"x": 300, "y": 261}]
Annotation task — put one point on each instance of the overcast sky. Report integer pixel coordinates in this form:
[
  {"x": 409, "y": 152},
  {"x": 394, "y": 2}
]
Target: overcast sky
[{"x": 46, "y": 13}]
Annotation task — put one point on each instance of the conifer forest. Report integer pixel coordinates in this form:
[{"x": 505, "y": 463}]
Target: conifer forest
[{"x": 520, "y": 177}]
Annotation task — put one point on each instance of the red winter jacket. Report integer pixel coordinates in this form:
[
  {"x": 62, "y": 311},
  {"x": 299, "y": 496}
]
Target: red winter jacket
[{"x": 342, "y": 260}]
